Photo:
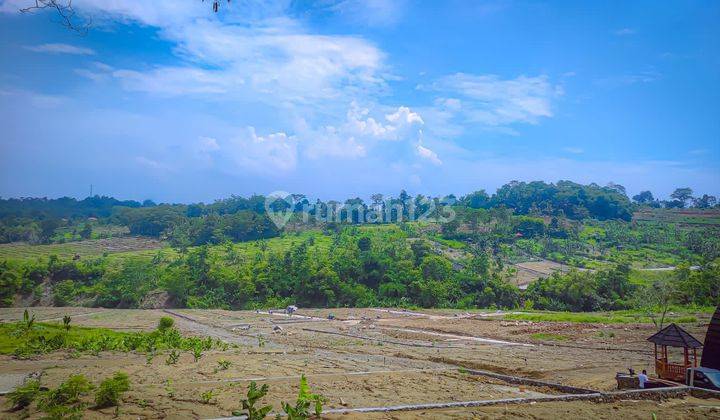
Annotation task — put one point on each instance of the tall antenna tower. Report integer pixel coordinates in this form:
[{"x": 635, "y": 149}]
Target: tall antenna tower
[{"x": 91, "y": 190}]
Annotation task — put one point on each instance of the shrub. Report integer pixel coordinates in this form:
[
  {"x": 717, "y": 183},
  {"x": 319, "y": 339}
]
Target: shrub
[
  {"x": 301, "y": 409},
  {"x": 172, "y": 358},
  {"x": 64, "y": 401},
  {"x": 110, "y": 390},
  {"x": 253, "y": 395},
  {"x": 24, "y": 395},
  {"x": 165, "y": 323}
]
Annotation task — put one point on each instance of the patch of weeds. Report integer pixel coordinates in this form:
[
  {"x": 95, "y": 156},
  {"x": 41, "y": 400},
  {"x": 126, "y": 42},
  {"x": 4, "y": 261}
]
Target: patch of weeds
[
  {"x": 222, "y": 365},
  {"x": 24, "y": 341},
  {"x": 549, "y": 337},
  {"x": 27, "y": 322},
  {"x": 111, "y": 389},
  {"x": 197, "y": 353},
  {"x": 686, "y": 320},
  {"x": 64, "y": 401},
  {"x": 24, "y": 395},
  {"x": 172, "y": 358},
  {"x": 207, "y": 396},
  {"x": 169, "y": 389}
]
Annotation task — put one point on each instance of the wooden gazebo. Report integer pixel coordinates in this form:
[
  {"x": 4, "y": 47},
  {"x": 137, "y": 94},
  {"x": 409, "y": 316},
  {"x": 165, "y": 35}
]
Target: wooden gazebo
[{"x": 674, "y": 336}]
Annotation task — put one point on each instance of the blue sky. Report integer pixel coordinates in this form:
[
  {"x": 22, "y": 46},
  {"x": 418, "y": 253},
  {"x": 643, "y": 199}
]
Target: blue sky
[{"x": 169, "y": 101}]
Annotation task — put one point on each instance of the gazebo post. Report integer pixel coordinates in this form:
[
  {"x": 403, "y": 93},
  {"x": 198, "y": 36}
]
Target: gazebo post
[
  {"x": 685, "y": 353},
  {"x": 694, "y": 357}
]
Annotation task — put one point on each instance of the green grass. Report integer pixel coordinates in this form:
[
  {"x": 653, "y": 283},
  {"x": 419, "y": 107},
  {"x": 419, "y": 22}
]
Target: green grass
[
  {"x": 677, "y": 314},
  {"x": 549, "y": 337},
  {"x": 9, "y": 342},
  {"x": 452, "y": 243},
  {"x": 45, "y": 338},
  {"x": 639, "y": 277},
  {"x": 582, "y": 317}
]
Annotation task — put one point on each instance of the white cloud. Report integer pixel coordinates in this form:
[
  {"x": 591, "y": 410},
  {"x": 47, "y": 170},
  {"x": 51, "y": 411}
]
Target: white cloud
[
  {"x": 491, "y": 101},
  {"x": 642, "y": 77},
  {"x": 251, "y": 53},
  {"x": 151, "y": 164},
  {"x": 573, "y": 150},
  {"x": 34, "y": 99},
  {"x": 60, "y": 49},
  {"x": 268, "y": 154},
  {"x": 428, "y": 154},
  {"x": 360, "y": 132},
  {"x": 624, "y": 32}
]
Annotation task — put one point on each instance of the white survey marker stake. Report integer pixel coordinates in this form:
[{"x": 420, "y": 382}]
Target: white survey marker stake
[{"x": 280, "y": 216}]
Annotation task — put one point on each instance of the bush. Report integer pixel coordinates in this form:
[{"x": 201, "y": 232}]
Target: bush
[
  {"x": 305, "y": 398},
  {"x": 110, "y": 390},
  {"x": 24, "y": 395},
  {"x": 165, "y": 323},
  {"x": 253, "y": 396},
  {"x": 64, "y": 401}
]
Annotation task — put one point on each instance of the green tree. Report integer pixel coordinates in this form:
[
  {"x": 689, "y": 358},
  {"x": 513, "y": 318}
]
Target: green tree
[{"x": 682, "y": 195}]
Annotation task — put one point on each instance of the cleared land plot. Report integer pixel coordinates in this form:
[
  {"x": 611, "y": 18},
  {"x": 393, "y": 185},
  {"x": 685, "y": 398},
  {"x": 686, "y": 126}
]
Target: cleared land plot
[
  {"x": 363, "y": 358},
  {"x": 88, "y": 248},
  {"x": 682, "y": 216},
  {"x": 529, "y": 271}
]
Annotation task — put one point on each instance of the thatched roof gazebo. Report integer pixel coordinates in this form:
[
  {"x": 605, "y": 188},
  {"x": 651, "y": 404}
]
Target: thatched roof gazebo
[{"x": 674, "y": 336}]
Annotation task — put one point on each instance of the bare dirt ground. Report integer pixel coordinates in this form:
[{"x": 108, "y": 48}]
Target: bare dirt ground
[{"x": 363, "y": 358}]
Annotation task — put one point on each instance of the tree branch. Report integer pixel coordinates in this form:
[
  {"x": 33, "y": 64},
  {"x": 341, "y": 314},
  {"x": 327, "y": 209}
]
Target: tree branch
[{"x": 64, "y": 8}]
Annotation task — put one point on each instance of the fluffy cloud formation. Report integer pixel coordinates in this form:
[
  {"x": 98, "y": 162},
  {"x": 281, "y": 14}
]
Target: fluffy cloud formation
[
  {"x": 360, "y": 132},
  {"x": 60, "y": 49},
  {"x": 244, "y": 53},
  {"x": 270, "y": 154},
  {"x": 491, "y": 101}
]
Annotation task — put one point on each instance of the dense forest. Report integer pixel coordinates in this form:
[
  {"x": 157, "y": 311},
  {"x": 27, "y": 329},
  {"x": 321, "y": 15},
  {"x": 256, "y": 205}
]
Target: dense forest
[{"x": 229, "y": 254}]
